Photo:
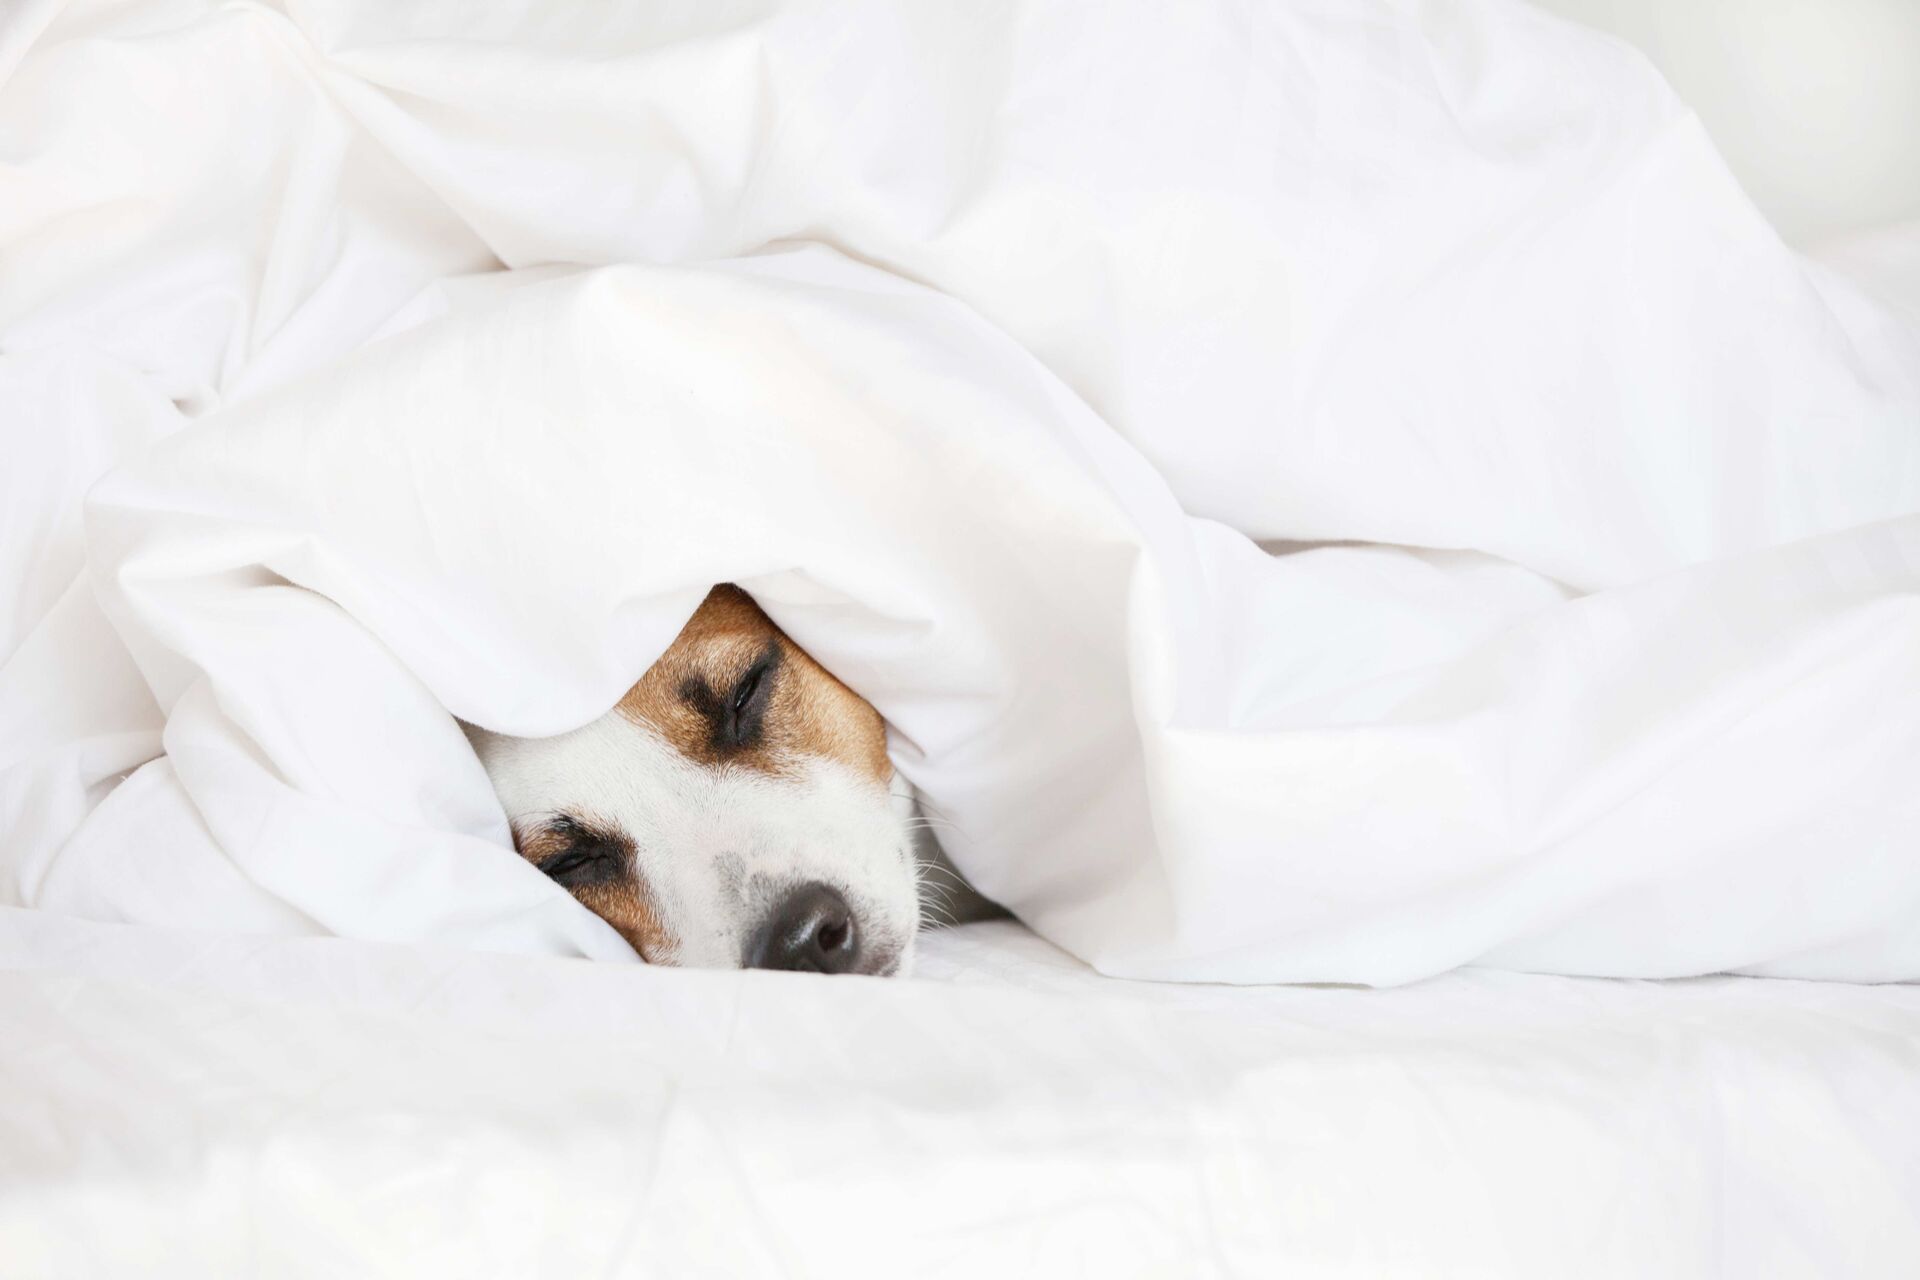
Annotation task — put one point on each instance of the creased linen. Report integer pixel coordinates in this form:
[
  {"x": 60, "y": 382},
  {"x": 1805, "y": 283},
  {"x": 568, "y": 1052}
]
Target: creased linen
[{"x": 1318, "y": 492}]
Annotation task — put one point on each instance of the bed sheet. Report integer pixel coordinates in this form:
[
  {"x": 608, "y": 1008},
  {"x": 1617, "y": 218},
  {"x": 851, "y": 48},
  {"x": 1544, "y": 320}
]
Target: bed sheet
[{"x": 177, "y": 1103}]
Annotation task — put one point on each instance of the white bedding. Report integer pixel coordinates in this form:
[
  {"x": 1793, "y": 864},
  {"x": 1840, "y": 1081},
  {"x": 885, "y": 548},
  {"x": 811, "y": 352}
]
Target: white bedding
[
  {"x": 989, "y": 350},
  {"x": 205, "y": 1105},
  {"x": 1320, "y": 491}
]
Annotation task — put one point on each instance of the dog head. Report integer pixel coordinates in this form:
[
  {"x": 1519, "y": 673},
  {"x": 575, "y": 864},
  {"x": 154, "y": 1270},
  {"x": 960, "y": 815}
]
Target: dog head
[{"x": 735, "y": 808}]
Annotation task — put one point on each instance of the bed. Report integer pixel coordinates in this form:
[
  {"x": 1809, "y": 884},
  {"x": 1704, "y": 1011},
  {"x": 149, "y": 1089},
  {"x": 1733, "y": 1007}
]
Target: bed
[
  {"x": 1366, "y": 541},
  {"x": 195, "y": 1104}
]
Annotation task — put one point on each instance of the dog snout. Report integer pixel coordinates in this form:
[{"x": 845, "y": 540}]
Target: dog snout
[{"x": 811, "y": 929}]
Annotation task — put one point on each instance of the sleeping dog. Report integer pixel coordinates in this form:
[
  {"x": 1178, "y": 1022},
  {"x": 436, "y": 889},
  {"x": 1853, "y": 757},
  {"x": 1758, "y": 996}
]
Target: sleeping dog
[{"x": 735, "y": 809}]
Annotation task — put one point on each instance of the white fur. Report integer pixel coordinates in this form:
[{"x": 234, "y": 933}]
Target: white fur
[{"x": 718, "y": 846}]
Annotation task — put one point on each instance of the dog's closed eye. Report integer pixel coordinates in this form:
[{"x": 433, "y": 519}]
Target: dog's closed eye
[
  {"x": 736, "y": 719},
  {"x": 748, "y": 686},
  {"x": 745, "y": 706},
  {"x": 582, "y": 856}
]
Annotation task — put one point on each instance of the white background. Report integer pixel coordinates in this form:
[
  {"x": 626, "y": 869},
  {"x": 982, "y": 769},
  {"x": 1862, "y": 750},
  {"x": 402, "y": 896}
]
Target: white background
[{"x": 1814, "y": 103}]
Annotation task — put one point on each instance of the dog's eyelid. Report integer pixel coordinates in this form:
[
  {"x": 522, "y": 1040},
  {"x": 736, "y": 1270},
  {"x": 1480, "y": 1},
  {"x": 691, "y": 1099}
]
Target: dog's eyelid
[
  {"x": 749, "y": 684},
  {"x": 586, "y": 854},
  {"x": 579, "y": 867}
]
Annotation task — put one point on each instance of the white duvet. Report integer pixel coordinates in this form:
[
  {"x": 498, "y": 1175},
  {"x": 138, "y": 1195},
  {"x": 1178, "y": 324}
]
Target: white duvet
[
  {"x": 1319, "y": 491},
  {"x": 186, "y": 1104}
]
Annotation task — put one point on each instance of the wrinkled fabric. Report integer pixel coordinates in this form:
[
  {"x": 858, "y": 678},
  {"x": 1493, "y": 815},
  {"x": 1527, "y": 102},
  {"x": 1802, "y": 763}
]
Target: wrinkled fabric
[
  {"x": 323, "y": 1107},
  {"x": 1319, "y": 492}
]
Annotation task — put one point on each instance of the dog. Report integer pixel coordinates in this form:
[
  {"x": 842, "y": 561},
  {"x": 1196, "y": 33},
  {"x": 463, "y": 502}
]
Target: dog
[{"x": 735, "y": 809}]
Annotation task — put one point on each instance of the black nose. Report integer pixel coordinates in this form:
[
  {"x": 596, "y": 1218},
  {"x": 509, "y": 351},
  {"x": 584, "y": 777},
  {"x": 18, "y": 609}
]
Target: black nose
[{"x": 810, "y": 929}]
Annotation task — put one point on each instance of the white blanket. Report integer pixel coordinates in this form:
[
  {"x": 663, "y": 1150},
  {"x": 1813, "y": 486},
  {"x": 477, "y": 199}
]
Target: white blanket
[
  {"x": 185, "y": 1104},
  {"x": 985, "y": 345}
]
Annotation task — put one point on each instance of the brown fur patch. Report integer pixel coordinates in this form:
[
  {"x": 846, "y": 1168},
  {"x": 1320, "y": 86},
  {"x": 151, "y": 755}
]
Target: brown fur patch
[
  {"x": 622, "y": 900},
  {"x": 806, "y": 712}
]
